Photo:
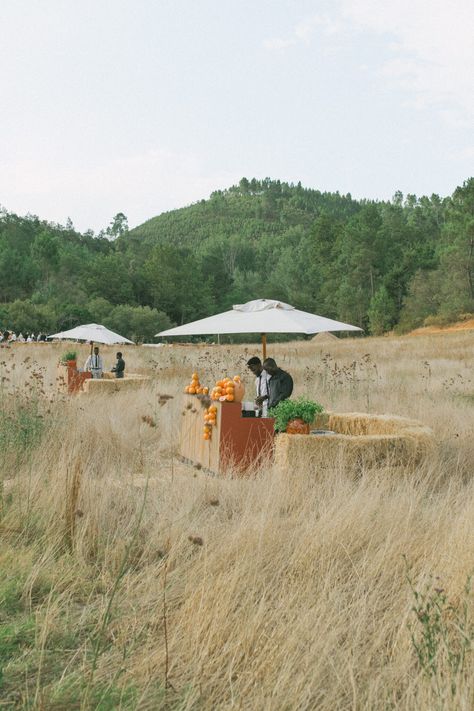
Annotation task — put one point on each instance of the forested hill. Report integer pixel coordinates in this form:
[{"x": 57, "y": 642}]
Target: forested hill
[{"x": 375, "y": 264}]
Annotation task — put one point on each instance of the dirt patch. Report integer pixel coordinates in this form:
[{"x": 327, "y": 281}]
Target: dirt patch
[{"x": 459, "y": 326}]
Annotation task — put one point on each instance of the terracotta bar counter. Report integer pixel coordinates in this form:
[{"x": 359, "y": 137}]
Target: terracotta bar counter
[{"x": 238, "y": 444}]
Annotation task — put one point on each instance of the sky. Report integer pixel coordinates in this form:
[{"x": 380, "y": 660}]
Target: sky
[{"x": 144, "y": 106}]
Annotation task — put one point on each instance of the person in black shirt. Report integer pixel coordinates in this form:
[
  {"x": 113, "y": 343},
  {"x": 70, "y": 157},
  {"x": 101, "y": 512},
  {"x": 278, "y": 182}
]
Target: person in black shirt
[
  {"x": 280, "y": 385},
  {"x": 119, "y": 367}
]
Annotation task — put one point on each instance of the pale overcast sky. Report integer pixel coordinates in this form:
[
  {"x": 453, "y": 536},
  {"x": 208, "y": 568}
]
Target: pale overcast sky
[{"x": 143, "y": 106}]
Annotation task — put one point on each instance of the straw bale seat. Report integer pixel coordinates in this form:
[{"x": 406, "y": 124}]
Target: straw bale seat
[
  {"x": 360, "y": 441},
  {"x": 109, "y": 383}
]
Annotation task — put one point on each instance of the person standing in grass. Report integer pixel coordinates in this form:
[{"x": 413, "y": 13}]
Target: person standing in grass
[
  {"x": 261, "y": 384},
  {"x": 280, "y": 385},
  {"x": 119, "y": 367},
  {"x": 95, "y": 364}
]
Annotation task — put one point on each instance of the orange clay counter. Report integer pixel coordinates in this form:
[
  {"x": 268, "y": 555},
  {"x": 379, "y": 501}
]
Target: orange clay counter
[{"x": 237, "y": 444}]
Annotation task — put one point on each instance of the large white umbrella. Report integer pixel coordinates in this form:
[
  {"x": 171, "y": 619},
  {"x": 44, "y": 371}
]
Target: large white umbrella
[
  {"x": 92, "y": 332},
  {"x": 260, "y": 316}
]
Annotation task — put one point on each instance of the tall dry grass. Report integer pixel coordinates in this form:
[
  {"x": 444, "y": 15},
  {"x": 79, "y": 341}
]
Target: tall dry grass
[{"x": 133, "y": 581}]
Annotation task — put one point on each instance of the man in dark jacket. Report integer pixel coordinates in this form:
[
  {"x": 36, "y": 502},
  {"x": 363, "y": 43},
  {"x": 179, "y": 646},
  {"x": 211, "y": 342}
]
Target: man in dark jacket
[
  {"x": 119, "y": 367},
  {"x": 280, "y": 385}
]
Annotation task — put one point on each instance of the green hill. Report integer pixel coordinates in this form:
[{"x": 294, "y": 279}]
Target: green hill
[{"x": 375, "y": 264}]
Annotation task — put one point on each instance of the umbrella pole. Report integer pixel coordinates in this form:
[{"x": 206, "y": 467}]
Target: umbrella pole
[
  {"x": 264, "y": 345},
  {"x": 92, "y": 346}
]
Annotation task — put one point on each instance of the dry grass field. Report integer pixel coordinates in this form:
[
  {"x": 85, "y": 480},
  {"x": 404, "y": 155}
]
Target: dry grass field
[{"x": 129, "y": 580}]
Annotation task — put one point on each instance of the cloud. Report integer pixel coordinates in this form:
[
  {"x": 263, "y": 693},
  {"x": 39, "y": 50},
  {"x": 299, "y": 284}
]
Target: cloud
[
  {"x": 277, "y": 43},
  {"x": 303, "y": 32},
  {"x": 432, "y": 48},
  {"x": 427, "y": 52},
  {"x": 141, "y": 186}
]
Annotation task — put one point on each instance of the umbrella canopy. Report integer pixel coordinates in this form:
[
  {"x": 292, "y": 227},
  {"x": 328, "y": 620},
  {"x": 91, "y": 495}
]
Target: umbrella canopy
[
  {"x": 260, "y": 316},
  {"x": 93, "y": 332}
]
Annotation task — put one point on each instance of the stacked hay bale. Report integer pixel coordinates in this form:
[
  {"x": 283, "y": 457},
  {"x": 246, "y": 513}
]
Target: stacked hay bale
[
  {"x": 360, "y": 441},
  {"x": 112, "y": 384}
]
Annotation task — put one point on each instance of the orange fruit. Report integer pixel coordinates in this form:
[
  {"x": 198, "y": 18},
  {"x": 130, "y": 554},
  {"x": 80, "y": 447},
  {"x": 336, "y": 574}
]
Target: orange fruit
[
  {"x": 192, "y": 391},
  {"x": 213, "y": 421},
  {"x": 236, "y": 378},
  {"x": 205, "y": 391},
  {"x": 229, "y": 390},
  {"x": 229, "y": 398}
]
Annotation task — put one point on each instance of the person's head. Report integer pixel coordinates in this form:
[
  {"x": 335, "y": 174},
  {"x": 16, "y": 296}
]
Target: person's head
[
  {"x": 270, "y": 366},
  {"x": 255, "y": 365},
  {"x": 96, "y": 350},
  {"x": 118, "y": 355}
]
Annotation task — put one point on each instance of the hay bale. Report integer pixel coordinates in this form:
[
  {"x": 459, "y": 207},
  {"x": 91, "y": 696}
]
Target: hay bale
[
  {"x": 361, "y": 441},
  {"x": 325, "y": 337},
  {"x": 111, "y": 385}
]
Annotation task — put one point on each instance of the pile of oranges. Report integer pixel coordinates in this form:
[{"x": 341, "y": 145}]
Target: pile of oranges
[
  {"x": 224, "y": 389},
  {"x": 195, "y": 387},
  {"x": 210, "y": 419}
]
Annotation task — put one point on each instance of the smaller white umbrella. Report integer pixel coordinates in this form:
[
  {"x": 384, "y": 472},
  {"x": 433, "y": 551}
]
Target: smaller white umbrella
[{"x": 92, "y": 332}]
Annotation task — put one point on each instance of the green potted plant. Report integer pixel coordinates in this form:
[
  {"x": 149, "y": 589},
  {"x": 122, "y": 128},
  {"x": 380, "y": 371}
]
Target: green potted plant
[
  {"x": 69, "y": 358},
  {"x": 295, "y": 416}
]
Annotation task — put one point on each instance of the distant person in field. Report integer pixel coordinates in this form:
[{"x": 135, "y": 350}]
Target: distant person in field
[
  {"x": 95, "y": 364},
  {"x": 119, "y": 367},
  {"x": 261, "y": 384},
  {"x": 280, "y": 384}
]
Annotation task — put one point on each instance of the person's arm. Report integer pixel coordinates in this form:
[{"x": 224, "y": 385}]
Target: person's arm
[
  {"x": 285, "y": 388},
  {"x": 288, "y": 385}
]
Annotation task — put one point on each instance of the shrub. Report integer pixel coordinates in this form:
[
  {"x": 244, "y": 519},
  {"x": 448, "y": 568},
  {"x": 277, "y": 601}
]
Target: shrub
[
  {"x": 68, "y": 355},
  {"x": 287, "y": 410}
]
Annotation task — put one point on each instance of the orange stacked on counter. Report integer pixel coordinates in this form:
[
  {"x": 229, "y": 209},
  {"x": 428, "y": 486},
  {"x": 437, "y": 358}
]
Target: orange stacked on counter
[
  {"x": 210, "y": 419},
  {"x": 225, "y": 389},
  {"x": 195, "y": 387}
]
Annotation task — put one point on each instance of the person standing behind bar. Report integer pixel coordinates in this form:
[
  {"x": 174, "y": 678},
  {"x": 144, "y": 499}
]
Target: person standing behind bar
[
  {"x": 261, "y": 385},
  {"x": 119, "y": 367},
  {"x": 95, "y": 364},
  {"x": 280, "y": 385}
]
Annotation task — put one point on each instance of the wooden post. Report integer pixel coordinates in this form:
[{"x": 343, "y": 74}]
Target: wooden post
[{"x": 264, "y": 345}]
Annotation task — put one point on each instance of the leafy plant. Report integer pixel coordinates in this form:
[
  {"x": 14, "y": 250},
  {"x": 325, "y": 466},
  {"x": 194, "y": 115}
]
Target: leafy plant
[
  {"x": 287, "y": 410},
  {"x": 69, "y": 355}
]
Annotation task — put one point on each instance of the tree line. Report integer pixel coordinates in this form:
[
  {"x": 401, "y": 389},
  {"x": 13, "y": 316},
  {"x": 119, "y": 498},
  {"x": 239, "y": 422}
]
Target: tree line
[{"x": 381, "y": 265}]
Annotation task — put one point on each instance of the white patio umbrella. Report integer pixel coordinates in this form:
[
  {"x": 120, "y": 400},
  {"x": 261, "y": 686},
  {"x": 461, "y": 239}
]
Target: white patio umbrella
[
  {"x": 92, "y": 332},
  {"x": 260, "y": 316}
]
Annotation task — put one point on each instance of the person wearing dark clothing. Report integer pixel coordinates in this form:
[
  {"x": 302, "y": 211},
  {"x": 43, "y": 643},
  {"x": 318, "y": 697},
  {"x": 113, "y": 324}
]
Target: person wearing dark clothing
[
  {"x": 119, "y": 367},
  {"x": 280, "y": 384}
]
